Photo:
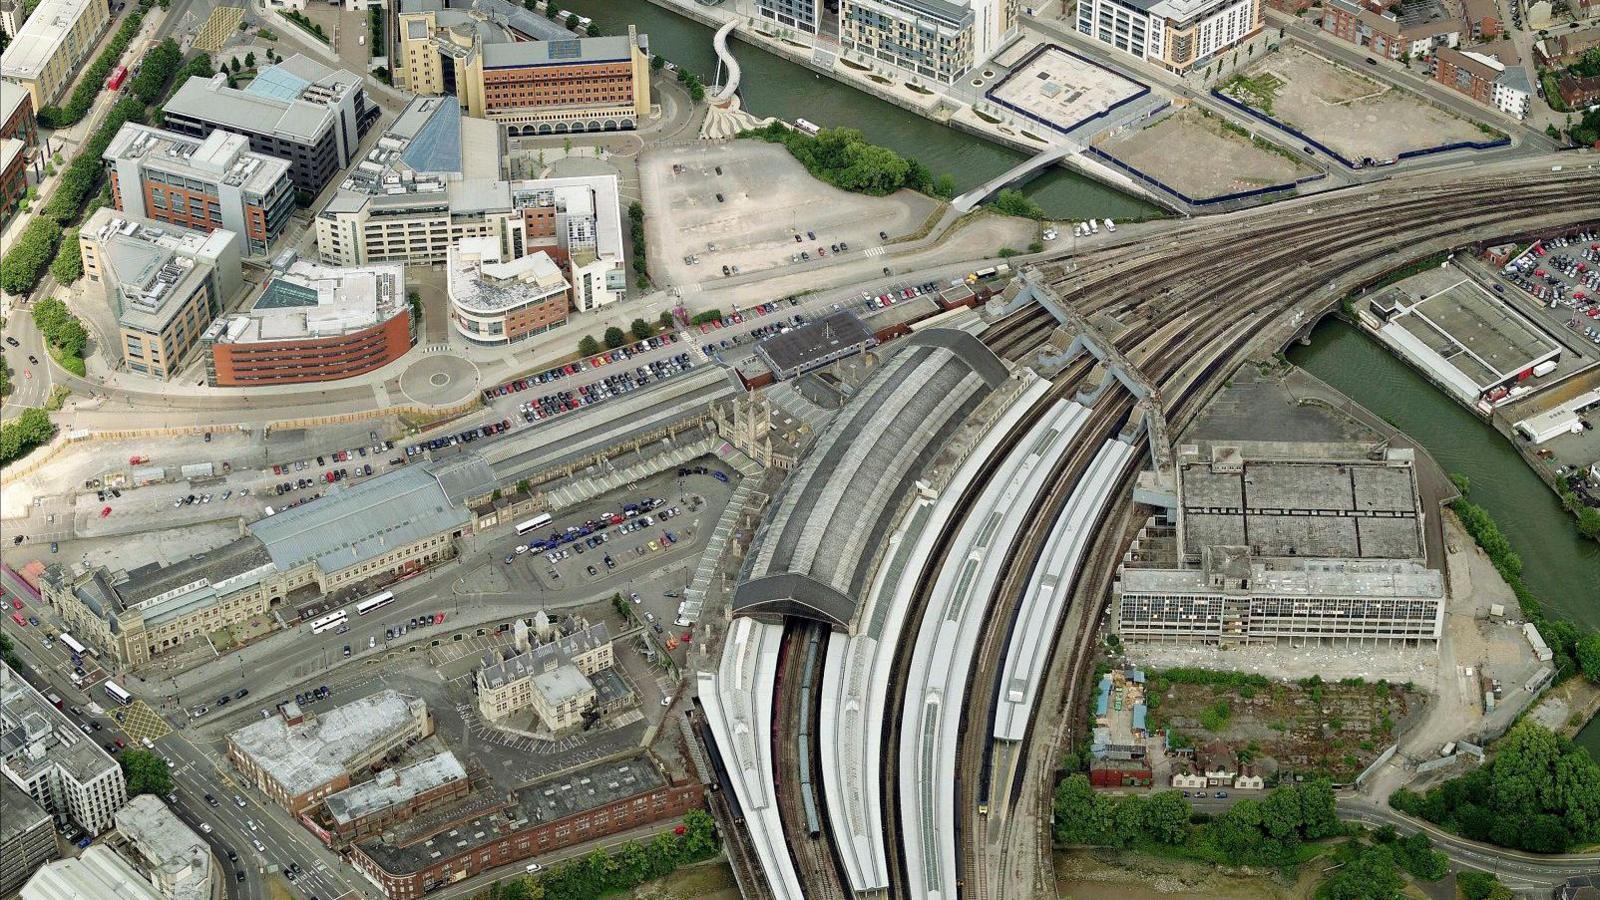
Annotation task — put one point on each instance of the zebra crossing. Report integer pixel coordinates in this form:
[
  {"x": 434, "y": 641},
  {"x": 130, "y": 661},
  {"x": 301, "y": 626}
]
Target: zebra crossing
[{"x": 874, "y": 251}]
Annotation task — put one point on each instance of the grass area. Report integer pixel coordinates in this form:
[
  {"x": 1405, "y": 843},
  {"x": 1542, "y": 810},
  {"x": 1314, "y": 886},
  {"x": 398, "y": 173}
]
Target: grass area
[
  {"x": 1256, "y": 90},
  {"x": 71, "y": 362}
]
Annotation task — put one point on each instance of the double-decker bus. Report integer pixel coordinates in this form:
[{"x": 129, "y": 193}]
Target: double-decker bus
[
  {"x": 73, "y": 645},
  {"x": 373, "y": 602},
  {"x": 538, "y": 521},
  {"x": 329, "y": 622},
  {"x": 116, "y": 693}
]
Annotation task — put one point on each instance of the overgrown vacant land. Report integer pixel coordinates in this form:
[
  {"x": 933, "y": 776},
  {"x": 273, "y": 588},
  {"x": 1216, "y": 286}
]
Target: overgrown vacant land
[{"x": 1309, "y": 727}]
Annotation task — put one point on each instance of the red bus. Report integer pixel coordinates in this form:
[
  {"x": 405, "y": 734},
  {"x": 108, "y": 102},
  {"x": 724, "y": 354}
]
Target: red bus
[{"x": 118, "y": 76}]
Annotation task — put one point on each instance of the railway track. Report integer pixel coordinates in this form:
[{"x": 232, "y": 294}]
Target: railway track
[{"x": 798, "y": 779}]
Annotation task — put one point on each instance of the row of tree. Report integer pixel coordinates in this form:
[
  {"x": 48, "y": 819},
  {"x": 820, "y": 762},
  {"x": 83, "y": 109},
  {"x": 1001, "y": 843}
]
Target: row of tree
[
  {"x": 636, "y": 221},
  {"x": 93, "y": 81},
  {"x": 1265, "y": 832},
  {"x": 602, "y": 874},
  {"x": 1540, "y": 792},
  {"x": 25, "y": 432},
  {"x": 615, "y": 337}
]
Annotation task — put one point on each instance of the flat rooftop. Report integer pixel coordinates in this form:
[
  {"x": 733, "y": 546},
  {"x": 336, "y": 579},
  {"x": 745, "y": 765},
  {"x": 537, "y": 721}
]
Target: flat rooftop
[
  {"x": 307, "y": 755},
  {"x": 394, "y": 787},
  {"x": 1062, "y": 89},
  {"x": 168, "y": 846},
  {"x": 40, "y": 37},
  {"x": 154, "y": 266},
  {"x": 1464, "y": 327},
  {"x": 1374, "y": 580},
  {"x": 1338, "y": 508},
  {"x": 295, "y": 98},
  {"x": 480, "y": 282},
  {"x": 537, "y": 804},
  {"x": 310, "y": 300},
  {"x": 220, "y": 157},
  {"x": 34, "y": 734},
  {"x": 565, "y": 52}
]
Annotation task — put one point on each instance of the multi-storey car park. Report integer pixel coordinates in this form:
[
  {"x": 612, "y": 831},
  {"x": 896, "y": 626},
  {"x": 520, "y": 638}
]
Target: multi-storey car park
[{"x": 1222, "y": 302}]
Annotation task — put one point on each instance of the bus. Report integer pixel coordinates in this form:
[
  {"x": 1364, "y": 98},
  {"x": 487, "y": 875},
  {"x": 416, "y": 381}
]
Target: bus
[
  {"x": 118, "y": 76},
  {"x": 118, "y": 694},
  {"x": 330, "y": 621},
  {"x": 373, "y": 602},
  {"x": 538, "y": 521},
  {"x": 73, "y": 645}
]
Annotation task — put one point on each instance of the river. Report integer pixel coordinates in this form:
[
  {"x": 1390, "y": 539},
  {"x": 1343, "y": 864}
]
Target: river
[
  {"x": 772, "y": 86},
  {"x": 1559, "y": 566}
]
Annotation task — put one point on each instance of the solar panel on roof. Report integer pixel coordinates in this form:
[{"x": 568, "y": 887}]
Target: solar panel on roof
[{"x": 566, "y": 49}]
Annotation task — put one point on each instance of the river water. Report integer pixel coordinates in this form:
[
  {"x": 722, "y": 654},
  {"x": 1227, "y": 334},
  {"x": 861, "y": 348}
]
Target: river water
[{"x": 771, "y": 86}]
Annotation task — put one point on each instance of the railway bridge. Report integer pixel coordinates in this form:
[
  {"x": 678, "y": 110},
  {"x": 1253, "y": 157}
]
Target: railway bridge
[{"x": 916, "y": 617}]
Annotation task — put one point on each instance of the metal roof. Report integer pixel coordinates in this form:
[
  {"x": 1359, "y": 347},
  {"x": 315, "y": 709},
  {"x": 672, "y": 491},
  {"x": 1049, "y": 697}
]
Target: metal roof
[{"x": 358, "y": 522}]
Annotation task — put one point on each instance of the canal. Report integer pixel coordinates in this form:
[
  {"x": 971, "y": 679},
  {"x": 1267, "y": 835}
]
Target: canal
[
  {"x": 1558, "y": 565},
  {"x": 771, "y": 86}
]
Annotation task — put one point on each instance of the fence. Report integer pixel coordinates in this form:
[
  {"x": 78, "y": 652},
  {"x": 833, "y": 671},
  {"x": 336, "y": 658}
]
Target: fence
[{"x": 1026, "y": 61}]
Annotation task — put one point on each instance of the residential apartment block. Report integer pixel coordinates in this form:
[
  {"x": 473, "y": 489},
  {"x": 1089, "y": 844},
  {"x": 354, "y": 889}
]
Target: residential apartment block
[
  {"x": 164, "y": 283},
  {"x": 13, "y": 172},
  {"x": 50, "y": 48},
  {"x": 43, "y": 753},
  {"x": 1178, "y": 35},
  {"x": 493, "y": 301},
  {"x": 313, "y": 323},
  {"x": 1402, "y": 32},
  {"x": 205, "y": 184},
  {"x": 532, "y": 87},
  {"x": 1480, "y": 74},
  {"x": 800, "y": 14},
  {"x": 935, "y": 39},
  {"x": 433, "y": 181},
  {"x": 17, "y": 119},
  {"x": 359, "y": 533},
  {"x": 27, "y": 837},
  {"x": 299, "y": 757},
  {"x": 299, "y": 111}
]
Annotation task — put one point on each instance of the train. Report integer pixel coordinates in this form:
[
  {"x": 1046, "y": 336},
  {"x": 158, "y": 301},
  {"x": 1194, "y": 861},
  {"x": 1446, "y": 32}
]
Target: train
[{"x": 808, "y": 791}]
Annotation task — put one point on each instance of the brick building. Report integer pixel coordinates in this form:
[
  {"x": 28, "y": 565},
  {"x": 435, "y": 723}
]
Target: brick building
[
  {"x": 298, "y": 757},
  {"x": 414, "y": 859},
  {"x": 313, "y": 323},
  {"x": 1417, "y": 32},
  {"x": 1488, "y": 79},
  {"x": 205, "y": 184},
  {"x": 1578, "y": 92},
  {"x": 393, "y": 796},
  {"x": 16, "y": 114}
]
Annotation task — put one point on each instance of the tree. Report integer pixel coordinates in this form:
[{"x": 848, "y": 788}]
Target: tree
[
  {"x": 68, "y": 264},
  {"x": 588, "y": 346},
  {"x": 641, "y": 329},
  {"x": 665, "y": 320},
  {"x": 1318, "y": 816},
  {"x": 1166, "y": 817},
  {"x": 25, "y": 262},
  {"x": 944, "y": 186},
  {"x": 592, "y": 30},
  {"x": 657, "y": 63},
  {"x": 1588, "y": 653},
  {"x": 572, "y": 21},
  {"x": 146, "y": 772},
  {"x": 615, "y": 338},
  {"x": 234, "y": 65},
  {"x": 249, "y": 60},
  {"x": 1081, "y": 815},
  {"x": 1012, "y": 202},
  {"x": 1370, "y": 875},
  {"x": 550, "y": 10},
  {"x": 23, "y": 433},
  {"x": 1481, "y": 886},
  {"x": 1589, "y": 522}
]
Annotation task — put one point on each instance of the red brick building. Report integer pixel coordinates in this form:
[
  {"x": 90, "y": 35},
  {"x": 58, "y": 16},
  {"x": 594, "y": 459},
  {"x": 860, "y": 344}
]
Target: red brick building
[
  {"x": 313, "y": 323},
  {"x": 1578, "y": 92},
  {"x": 13, "y": 171},
  {"x": 16, "y": 117},
  {"x": 409, "y": 862}
]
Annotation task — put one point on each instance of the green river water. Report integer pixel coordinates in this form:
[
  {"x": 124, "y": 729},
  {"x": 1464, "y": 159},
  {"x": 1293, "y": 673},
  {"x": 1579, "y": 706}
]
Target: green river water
[
  {"x": 771, "y": 86},
  {"x": 1559, "y": 566}
]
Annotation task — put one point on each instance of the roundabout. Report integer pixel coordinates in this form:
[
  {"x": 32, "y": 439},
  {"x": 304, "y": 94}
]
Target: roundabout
[{"x": 439, "y": 380}]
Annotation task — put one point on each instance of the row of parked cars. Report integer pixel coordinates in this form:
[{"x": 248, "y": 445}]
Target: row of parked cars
[
  {"x": 897, "y": 295},
  {"x": 554, "y": 404},
  {"x": 464, "y": 437}
]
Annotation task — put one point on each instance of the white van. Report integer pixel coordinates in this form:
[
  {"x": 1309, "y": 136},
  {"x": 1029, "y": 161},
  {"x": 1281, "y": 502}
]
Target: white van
[{"x": 533, "y": 867}]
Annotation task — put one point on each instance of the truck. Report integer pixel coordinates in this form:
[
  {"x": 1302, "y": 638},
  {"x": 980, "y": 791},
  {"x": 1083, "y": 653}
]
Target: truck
[
  {"x": 1544, "y": 368},
  {"x": 55, "y": 700},
  {"x": 138, "y": 459},
  {"x": 1448, "y": 748}
]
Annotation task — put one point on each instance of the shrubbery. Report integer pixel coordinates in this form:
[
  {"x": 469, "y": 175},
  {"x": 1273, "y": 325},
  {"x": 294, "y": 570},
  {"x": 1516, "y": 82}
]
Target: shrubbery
[
  {"x": 23, "y": 433},
  {"x": 26, "y": 261},
  {"x": 843, "y": 158},
  {"x": 1540, "y": 792},
  {"x": 602, "y": 874},
  {"x": 1013, "y": 202}
]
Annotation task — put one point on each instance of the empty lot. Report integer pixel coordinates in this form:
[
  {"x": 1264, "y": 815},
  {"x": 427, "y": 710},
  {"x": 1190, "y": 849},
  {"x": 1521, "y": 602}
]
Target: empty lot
[
  {"x": 1202, "y": 156},
  {"x": 1357, "y": 116}
]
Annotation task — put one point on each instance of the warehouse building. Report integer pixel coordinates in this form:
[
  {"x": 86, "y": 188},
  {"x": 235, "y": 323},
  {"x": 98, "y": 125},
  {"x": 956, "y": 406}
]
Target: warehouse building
[
  {"x": 99, "y": 872},
  {"x": 51, "y": 47},
  {"x": 390, "y": 525},
  {"x": 43, "y": 753},
  {"x": 815, "y": 344},
  {"x": 313, "y": 323},
  {"x": 164, "y": 283},
  {"x": 299, "y": 757},
  {"x": 299, "y": 111}
]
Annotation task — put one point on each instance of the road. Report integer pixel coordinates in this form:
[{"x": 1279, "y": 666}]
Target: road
[{"x": 30, "y": 382}]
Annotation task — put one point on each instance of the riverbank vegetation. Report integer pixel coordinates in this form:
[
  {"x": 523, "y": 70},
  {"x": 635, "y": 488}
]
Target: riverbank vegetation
[
  {"x": 1539, "y": 792},
  {"x": 843, "y": 158}
]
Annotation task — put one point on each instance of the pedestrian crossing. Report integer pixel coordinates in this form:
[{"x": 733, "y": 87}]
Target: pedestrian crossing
[{"x": 874, "y": 251}]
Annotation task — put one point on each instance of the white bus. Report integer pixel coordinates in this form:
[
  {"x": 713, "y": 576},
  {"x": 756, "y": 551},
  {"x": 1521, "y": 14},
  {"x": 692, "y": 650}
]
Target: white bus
[
  {"x": 373, "y": 602},
  {"x": 539, "y": 521},
  {"x": 73, "y": 645},
  {"x": 330, "y": 621},
  {"x": 117, "y": 693}
]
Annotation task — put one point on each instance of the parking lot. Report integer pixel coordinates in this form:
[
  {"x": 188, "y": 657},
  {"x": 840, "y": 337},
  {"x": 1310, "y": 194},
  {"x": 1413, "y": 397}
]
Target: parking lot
[
  {"x": 750, "y": 206},
  {"x": 1360, "y": 118},
  {"x": 1563, "y": 274}
]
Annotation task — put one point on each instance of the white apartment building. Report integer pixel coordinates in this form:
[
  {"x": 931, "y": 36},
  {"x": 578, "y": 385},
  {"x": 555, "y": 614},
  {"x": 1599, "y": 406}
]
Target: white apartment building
[
  {"x": 937, "y": 39},
  {"x": 1178, "y": 35},
  {"x": 62, "y": 769}
]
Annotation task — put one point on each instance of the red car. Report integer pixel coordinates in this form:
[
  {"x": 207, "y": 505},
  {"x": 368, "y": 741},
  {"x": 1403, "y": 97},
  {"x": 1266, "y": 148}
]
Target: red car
[
  {"x": 15, "y": 603},
  {"x": 21, "y": 622},
  {"x": 105, "y": 511}
]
